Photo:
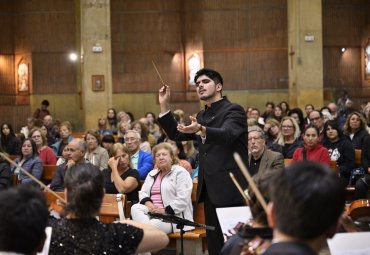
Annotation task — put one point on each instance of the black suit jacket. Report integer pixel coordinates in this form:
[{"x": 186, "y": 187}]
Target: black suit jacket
[{"x": 226, "y": 133}]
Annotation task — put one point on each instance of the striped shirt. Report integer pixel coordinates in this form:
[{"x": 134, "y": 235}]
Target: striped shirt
[{"x": 156, "y": 192}]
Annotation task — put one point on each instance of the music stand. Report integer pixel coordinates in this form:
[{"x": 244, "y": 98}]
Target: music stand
[{"x": 180, "y": 224}]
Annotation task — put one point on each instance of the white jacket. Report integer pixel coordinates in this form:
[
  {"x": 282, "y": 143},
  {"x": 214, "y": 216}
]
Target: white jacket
[{"x": 176, "y": 188}]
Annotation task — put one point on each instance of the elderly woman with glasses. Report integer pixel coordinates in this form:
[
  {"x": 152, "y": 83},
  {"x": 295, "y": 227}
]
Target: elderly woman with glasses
[
  {"x": 166, "y": 190},
  {"x": 46, "y": 154}
]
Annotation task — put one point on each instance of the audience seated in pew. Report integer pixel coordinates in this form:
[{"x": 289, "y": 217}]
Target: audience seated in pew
[
  {"x": 363, "y": 184},
  {"x": 79, "y": 232},
  {"x": 312, "y": 150},
  {"x": 355, "y": 129},
  {"x": 340, "y": 150},
  {"x": 306, "y": 205},
  {"x": 167, "y": 189},
  {"x": 5, "y": 173},
  {"x": 30, "y": 161},
  {"x": 65, "y": 137},
  {"x": 23, "y": 219},
  {"x": 260, "y": 159},
  {"x": 75, "y": 154},
  {"x": 289, "y": 138},
  {"x": 120, "y": 177},
  {"x": 8, "y": 140},
  {"x": 46, "y": 154},
  {"x": 95, "y": 154}
]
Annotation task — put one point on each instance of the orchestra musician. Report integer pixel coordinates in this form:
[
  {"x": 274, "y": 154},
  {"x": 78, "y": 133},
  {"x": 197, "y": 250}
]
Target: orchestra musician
[{"x": 306, "y": 205}]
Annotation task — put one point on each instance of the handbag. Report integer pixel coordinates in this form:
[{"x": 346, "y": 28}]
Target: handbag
[{"x": 356, "y": 174}]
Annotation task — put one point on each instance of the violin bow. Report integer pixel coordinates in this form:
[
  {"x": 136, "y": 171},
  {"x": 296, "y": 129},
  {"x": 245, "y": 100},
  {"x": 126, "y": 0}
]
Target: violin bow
[
  {"x": 3, "y": 155},
  {"x": 246, "y": 174},
  {"x": 244, "y": 195},
  {"x": 159, "y": 75}
]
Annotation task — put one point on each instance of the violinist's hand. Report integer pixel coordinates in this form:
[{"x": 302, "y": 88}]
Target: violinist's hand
[
  {"x": 164, "y": 98},
  {"x": 113, "y": 163},
  {"x": 70, "y": 163},
  {"x": 158, "y": 210},
  {"x": 192, "y": 128}
]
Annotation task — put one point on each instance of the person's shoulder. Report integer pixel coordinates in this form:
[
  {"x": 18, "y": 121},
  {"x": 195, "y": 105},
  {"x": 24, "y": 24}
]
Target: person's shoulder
[
  {"x": 271, "y": 153},
  {"x": 133, "y": 173}
]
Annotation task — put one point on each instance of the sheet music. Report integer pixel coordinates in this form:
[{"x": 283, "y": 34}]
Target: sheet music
[
  {"x": 230, "y": 216},
  {"x": 45, "y": 250},
  {"x": 350, "y": 244}
]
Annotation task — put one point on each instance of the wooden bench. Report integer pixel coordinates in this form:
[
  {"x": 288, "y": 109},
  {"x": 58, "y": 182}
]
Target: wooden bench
[
  {"x": 108, "y": 211},
  {"x": 195, "y": 242},
  {"x": 48, "y": 173}
]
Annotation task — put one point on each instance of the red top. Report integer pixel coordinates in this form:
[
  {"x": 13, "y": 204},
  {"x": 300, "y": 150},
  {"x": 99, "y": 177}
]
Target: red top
[
  {"x": 47, "y": 156},
  {"x": 318, "y": 154}
]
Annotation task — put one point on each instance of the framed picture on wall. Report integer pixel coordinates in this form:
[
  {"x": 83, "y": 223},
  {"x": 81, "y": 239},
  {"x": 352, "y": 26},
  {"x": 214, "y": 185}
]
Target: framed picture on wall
[
  {"x": 23, "y": 78},
  {"x": 98, "y": 83},
  {"x": 367, "y": 60}
]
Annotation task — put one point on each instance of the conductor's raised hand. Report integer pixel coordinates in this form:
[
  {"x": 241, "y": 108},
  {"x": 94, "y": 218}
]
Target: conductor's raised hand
[
  {"x": 192, "y": 128},
  {"x": 164, "y": 98}
]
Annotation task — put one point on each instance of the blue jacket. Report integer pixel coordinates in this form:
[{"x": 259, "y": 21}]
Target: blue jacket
[
  {"x": 144, "y": 164},
  {"x": 56, "y": 145},
  {"x": 34, "y": 166}
]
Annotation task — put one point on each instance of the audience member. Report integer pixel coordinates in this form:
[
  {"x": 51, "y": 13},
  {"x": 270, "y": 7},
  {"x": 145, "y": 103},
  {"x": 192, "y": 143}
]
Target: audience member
[
  {"x": 192, "y": 155},
  {"x": 84, "y": 193},
  {"x": 5, "y": 173},
  {"x": 9, "y": 142},
  {"x": 260, "y": 158},
  {"x": 119, "y": 177},
  {"x": 363, "y": 184},
  {"x": 23, "y": 219},
  {"x": 143, "y": 131},
  {"x": 297, "y": 115},
  {"x": 46, "y": 154},
  {"x": 41, "y": 112},
  {"x": 112, "y": 120},
  {"x": 142, "y": 161},
  {"x": 317, "y": 119},
  {"x": 151, "y": 139},
  {"x": 340, "y": 150},
  {"x": 29, "y": 161},
  {"x": 107, "y": 142},
  {"x": 278, "y": 113},
  {"x": 166, "y": 190},
  {"x": 76, "y": 150},
  {"x": 312, "y": 150},
  {"x": 333, "y": 109},
  {"x": 66, "y": 137},
  {"x": 289, "y": 138},
  {"x": 30, "y": 125},
  {"x": 123, "y": 127},
  {"x": 272, "y": 131},
  {"x": 284, "y": 107},
  {"x": 153, "y": 126},
  {"x": 355, "y": 129},
  {"x": 123, "y": 117},
  {"x": 306, "y": 205},
  {"x": 308, "y": 109},
  {"x": 180, "y": 155},
  {"x": 269, "y": 107},
  {"x": 95, "y": 154},
  {"x": 103, "y": 127}
]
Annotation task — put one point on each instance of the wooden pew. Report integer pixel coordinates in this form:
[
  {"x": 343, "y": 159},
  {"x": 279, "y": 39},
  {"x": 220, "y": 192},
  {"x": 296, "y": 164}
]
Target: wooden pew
[
  {"x": 195, "y": 240},
  {"x": 49, "y": 171},
  {"x": 350, "y": 190},
  {"x": 108, "y": 211},
  {"x": 80, "y": 135}
]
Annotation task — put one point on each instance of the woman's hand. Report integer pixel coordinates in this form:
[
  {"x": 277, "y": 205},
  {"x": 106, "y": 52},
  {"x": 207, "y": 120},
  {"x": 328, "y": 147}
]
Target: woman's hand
[
  {"x": 157, "y": 210},
  {"x": 113, "y": 163}
]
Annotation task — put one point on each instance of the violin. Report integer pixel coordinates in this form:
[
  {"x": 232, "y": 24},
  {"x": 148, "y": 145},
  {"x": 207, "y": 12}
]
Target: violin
[
  {"x": 359, "y": 212},
  {"x": 257, "y": 246}
]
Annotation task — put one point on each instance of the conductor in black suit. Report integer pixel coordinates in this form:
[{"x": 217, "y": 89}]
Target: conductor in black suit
[{"x": 220, "y": 130}]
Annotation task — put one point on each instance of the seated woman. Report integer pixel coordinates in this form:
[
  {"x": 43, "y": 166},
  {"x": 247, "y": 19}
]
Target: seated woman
[
  {"x": 340, "y": 150},
  {"x": 46, "y": 154},
  {"x": 120, "y": 177},
  {"x": 107, "y": 142},
  {"x": 84, "y": 194},
  {"x": 289, "y": 138},
  {"x": 102, "y": 127},
  {"x": 5, "y": 173},
  {"x": 95, "y": 154},
  {"x": 153, "y": 126},
  {"x": 355, "y": 129},
  {"x": 258, "y": 226},
  {"x": 167, "y": 190},
  {"x": 65, "y": 132},
  {"x": 8, "y": 141},
  {"x": 180, "y": 155},
  {"x": 122, "y": 129},
  {"x": 363, "y": 184},
  {"x": 192, "y": 155},
  {"x": 272, "y": 131},
  {"x": 312, "y": 150},
  {"x": 145, "y": 144},
  {"x": 112, "y": 120},
  {"x": 30, "y": 125},
  {"x": 30, "y": 161}
]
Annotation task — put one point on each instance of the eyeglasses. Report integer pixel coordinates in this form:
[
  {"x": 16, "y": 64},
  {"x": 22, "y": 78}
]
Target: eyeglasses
[
  {"x": 254, "y": 138},
  {"x": 287, "y": 127}
]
